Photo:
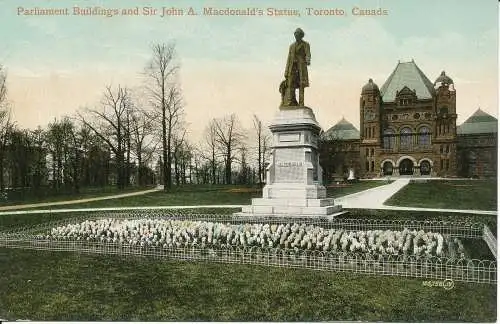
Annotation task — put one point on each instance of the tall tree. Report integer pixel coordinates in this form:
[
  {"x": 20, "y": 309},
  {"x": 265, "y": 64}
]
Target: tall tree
[
  {"x": 179, "y": 144},
  {"x": 209, "y": 149},
  {"x": 143, "y": 143},
  {"x": 19, "y": 159},
  {"x": 6, "y": 124},
  {"x": 229, "y": 137},
  {"x": 263, "y": 144},
  {"x": 39, "y": 162},
  {"x": 110, "y": 125},
  {"x": 167, "y": 99}
]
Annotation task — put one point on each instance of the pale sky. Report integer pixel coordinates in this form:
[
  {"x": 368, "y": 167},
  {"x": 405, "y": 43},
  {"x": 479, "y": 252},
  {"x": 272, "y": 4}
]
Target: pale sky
[{"x": 57, "y": 64}]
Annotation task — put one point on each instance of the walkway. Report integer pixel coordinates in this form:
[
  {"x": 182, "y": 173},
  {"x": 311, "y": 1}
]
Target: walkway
[
  {"x": 374, "y": 197},
  {"x": 69, "y": 202}
]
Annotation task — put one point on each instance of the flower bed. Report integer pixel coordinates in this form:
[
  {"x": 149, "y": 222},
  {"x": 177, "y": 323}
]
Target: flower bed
[{"x": 203, "y": 234}]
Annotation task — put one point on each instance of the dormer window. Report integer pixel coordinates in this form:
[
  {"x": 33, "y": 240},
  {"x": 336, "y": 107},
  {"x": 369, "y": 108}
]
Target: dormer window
[
  {"x": 406, "y": 97},
  {"x": 404, "y": 102}
]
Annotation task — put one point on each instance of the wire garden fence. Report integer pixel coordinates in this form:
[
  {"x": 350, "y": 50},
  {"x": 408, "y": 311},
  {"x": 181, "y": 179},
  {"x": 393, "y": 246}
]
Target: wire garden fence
[{"x": 432, "y": 267}]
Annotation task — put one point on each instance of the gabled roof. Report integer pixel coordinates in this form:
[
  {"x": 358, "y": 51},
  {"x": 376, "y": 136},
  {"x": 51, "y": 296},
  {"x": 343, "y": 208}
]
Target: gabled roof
[
  {"x": 407, "y": 74},
  {"x": 343, "y": 130},
  {"x": 479, "y": 123}
]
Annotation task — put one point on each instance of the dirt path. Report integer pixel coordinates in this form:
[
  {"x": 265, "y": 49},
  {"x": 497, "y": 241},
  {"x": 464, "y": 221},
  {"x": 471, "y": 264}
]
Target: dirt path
[{"x": 76, "y": 201}]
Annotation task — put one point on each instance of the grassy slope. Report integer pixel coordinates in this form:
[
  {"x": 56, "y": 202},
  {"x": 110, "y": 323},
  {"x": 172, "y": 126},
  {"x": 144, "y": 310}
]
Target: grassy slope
[
  {"x": 474, "y": 194},
  {"x": 204, "y": 195},
  {"x": 40, "y": 285},
  {"x": 351, "y": 188},
  {"x": 47, "y": 196}
]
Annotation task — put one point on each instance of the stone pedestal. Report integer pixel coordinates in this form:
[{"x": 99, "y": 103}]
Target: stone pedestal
[{"x": 293, "y": 181}]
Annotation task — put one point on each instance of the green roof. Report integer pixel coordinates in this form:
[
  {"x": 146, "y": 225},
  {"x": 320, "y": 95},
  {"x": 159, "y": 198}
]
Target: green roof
[
  {"x": 407, "y": 74},
  {"x": 479, "y": 123},
  {"x": 342, "y": 130},
  {"x": 480, "y": 116}
]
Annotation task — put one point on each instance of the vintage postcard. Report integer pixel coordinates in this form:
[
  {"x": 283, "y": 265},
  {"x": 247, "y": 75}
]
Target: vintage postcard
[{"x": 248, "y": 160}]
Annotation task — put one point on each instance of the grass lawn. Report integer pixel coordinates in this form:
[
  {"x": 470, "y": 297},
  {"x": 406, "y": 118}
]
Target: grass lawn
[
  {"x": 185, "y": 195},
  {"x": 49, "y": 285},
  {"x": 43, "y": 285},
  {"x": 190, "y": 195},
  {"x": 45, "y": 195},
  {"x": 456, "y": 194}
]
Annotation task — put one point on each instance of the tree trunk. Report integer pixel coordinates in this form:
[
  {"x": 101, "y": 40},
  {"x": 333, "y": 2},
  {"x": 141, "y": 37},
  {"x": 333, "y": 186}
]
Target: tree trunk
[
  {"x": 176, "y": 170},
  {"x": 2, "y": 184},
  {"x": 139, "y": 169},
  {"x": 213, "y": 166}
]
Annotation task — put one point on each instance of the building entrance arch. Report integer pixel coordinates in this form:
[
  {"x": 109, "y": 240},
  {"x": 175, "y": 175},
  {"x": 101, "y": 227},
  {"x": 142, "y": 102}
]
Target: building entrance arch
[
  {"x": 387, "y": 168},
  {"x": 406, "y": 167}
]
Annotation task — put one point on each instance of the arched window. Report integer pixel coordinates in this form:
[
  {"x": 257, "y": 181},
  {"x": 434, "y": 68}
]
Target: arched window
[
  {"x": 425, "y": 168},
  {"x": 388, "y": 139},
  {"x": 424, "y": 136},
  {"x": 405, "y": 138}
]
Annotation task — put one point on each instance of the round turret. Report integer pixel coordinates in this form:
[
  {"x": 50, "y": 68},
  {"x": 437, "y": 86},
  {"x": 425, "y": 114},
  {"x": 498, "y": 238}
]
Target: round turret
[
  {"x": 443, "y": 79},
  {"x": 369, "y": 87}
]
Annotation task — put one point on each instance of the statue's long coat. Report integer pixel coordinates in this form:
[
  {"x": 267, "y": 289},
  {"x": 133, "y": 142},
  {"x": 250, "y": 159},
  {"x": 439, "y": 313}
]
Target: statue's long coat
[{"x": 296, "y": 65}]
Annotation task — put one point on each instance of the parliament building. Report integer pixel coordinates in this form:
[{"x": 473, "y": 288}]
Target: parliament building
[{"x": 408, "y": 127}]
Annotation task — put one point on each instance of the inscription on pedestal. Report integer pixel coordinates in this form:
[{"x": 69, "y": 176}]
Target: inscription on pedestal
[
  {"x": 289, "y": 137},
  {"x": 289, "y": 171},
  {"x": 289, "y": 164}
]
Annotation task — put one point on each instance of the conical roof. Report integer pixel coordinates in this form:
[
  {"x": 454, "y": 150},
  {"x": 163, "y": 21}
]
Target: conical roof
[
  {"x": 480, "y": 122},
  {"x": 407, "y": 74},
  {"x": 343, "y": 130}
]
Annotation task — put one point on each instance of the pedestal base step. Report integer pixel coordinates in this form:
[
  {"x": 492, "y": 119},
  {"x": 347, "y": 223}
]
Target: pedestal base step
[
  {"x": 293, "y": 202},
  {"x": 293, "y": 191},
  {"x": 248, "y": 216},
  {"x": 291, "y": 210}
]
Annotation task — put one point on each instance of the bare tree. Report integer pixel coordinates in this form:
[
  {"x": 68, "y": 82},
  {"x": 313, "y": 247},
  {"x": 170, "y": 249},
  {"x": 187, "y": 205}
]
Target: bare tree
[
  {"x": 110, "y": 124},
  {"x": 229, "y": 138},
  {"x": 141, "y": 128},
  {"x": 263, "y": 143},
  {"x": 165, "y": 98},
  {"x": 178, "y": 147},
  {"x": 6, "y": 124},
  {"x": 209, "y": 149}
]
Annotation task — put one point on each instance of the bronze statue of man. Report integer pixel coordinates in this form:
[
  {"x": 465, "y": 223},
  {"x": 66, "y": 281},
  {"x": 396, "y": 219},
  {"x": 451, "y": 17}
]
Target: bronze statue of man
[{"x": 296, "y": 76}]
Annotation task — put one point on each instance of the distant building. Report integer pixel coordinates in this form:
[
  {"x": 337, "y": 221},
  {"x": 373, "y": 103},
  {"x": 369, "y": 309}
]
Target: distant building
[
  {"x": 408, "y": 127},
  {"x": 477, "y": 146}
]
